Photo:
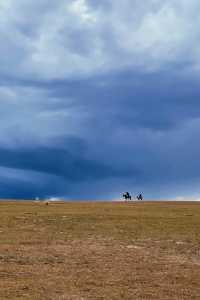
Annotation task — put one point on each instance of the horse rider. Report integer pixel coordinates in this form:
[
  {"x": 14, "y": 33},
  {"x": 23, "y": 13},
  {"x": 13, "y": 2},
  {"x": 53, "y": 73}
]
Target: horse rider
[
  {"x": 127, "y": 196},
  {"x": 140, "y": 197}
]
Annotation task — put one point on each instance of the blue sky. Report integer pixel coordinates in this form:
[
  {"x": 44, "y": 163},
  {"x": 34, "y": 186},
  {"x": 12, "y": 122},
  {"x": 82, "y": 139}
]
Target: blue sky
[{"x": 99, "y": 97}]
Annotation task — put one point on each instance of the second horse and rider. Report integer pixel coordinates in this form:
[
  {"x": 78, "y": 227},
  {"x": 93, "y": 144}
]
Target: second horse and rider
[{"x": 127, "y": 196}]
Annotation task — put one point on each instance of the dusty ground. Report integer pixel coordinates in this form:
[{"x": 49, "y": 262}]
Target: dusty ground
[{"x": 80, "y": 251}]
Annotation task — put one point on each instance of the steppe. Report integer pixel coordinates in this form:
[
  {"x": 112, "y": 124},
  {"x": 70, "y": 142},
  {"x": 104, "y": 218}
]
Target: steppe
[{"x": 99, "y": 250}]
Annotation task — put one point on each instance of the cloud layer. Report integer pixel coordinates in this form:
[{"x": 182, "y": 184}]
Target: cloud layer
[{"x": 78, "y": 38}]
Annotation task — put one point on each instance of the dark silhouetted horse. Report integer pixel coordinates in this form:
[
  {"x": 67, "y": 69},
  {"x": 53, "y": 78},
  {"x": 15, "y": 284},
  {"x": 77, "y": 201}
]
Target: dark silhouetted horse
[
  {"x": 139, "y": 197},
  {"x": 127, "y": 196}
]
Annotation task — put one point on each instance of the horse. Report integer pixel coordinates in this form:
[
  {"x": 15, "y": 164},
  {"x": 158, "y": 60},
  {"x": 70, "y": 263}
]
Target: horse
[
  {"x": 127, "y": 196},
  {"x": 139, "y": 197}
]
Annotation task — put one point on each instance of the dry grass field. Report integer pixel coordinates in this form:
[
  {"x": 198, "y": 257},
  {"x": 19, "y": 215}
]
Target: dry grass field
[{"x": 111, "y": 251}]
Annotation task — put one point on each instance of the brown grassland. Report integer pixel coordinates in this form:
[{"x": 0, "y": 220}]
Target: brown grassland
[{"x": 111, "y": 251}]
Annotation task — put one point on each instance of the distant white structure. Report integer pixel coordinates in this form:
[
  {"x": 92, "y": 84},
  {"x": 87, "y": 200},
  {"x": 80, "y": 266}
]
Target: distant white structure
[
  {"x": 37, "y": 199},
  {"x": 53, "y": 199}
]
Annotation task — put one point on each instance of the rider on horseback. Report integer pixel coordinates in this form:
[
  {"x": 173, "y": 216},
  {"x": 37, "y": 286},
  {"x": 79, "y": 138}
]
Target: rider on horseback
[
  {"x": 140, "y": 197},
  {"x": 127, "y": 196}
]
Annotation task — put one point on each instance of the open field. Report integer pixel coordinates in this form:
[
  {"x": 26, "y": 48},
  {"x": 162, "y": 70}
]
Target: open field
[{"x": 79, "y": 251}]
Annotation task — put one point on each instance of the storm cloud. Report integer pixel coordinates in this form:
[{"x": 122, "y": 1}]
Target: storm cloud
[{"x": 99, "y": 97}]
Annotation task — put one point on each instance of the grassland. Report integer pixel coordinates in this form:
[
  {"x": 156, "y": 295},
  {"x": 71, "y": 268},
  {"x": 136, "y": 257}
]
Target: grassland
[{"x": 111, "y": 251}]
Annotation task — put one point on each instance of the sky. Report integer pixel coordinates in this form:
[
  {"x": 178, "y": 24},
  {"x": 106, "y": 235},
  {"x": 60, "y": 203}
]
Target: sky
[{"x": 98, "y": 98}]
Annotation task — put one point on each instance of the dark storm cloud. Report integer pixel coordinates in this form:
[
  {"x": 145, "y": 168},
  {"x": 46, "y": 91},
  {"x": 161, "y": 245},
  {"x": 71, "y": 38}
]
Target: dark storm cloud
[
  {"x": 58, "y": 162},
  {"x": 157, "y": 102},
  {"x": 134, "y": 131}
]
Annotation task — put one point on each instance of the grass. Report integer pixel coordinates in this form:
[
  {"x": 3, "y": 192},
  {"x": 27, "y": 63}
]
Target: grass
[{"x": 79, "y": 251}]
